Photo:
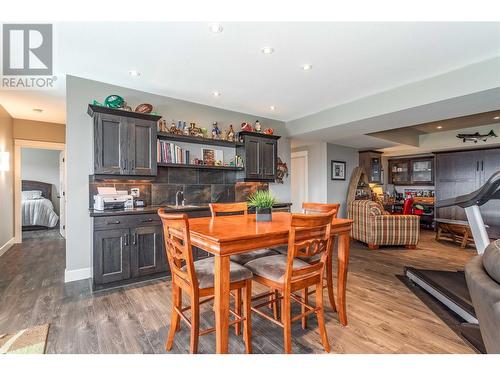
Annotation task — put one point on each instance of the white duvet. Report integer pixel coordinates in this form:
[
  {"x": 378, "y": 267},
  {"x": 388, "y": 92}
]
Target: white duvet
[{"x": 39, "y": 212}]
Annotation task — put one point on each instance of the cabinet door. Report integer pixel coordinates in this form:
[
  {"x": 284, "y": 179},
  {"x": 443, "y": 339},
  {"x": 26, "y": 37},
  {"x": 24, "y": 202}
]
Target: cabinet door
[
  {"x": 147, "y": 253},
  {"x": 490, "y": 164},
  {"x": 142, "y": 148},
  {"x": 399, "y": 172},
  {"x": 252, "y": 157},
  {"x": 268, "y": 159},
  {"x": 111, "y": 255},
  {"x": 110, "y": 144},
  {"x": 422, "y": 171},
  {"x": 456, "y": 174}
]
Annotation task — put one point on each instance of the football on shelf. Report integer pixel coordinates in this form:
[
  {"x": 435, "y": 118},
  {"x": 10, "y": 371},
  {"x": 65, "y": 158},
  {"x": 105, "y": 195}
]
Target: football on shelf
[{"x": 144, "y": 108}]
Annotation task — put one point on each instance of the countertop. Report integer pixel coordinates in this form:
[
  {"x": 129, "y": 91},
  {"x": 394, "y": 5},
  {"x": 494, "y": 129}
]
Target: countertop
[{"x": 154, "y": 209}]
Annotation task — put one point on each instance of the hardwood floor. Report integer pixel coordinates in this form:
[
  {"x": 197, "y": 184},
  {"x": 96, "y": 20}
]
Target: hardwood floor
[{"x": 384, "y": 315}]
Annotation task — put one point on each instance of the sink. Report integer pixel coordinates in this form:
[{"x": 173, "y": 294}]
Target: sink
[{"x": 187, "y": 206}]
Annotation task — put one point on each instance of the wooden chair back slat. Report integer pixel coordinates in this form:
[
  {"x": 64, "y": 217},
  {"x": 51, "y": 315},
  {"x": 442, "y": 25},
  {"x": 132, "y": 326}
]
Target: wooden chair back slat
[
  {"x": 178, "y": 247},
  {"x": 315, "y": 239},
  {"x": 216, "y": 208},
  {"x": 310, "y": 207}
]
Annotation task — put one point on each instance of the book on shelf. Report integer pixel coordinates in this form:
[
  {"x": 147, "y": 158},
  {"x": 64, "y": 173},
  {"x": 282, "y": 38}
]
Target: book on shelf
[{"x": 170, "y": 153}]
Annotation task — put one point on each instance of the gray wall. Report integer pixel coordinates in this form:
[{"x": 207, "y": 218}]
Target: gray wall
[
  {"x": 42, "y": 165},
  {"x": 79, "y": 93},
  {"x": 337, "y": 190},
  {"x": 6, "y": 180}
]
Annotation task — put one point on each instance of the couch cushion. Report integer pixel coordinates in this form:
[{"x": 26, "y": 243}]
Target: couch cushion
[
  {"x": 273, "y": 267},
  {"x": 491, "y": 260},
  {"x": 247, "y": 257},
  {"x": 205, "y": 272}
]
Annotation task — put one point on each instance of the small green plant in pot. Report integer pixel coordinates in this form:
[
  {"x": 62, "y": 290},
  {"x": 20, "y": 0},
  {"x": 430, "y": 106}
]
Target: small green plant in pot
[{"x": 263, "y": 201}]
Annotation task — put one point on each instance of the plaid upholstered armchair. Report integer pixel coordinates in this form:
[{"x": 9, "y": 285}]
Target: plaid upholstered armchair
[{"x": 374, "y": 226}]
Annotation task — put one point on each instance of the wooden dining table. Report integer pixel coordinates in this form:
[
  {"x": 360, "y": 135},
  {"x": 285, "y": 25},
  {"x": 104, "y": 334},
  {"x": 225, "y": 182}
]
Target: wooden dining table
[{"x": 224, "y": 236}]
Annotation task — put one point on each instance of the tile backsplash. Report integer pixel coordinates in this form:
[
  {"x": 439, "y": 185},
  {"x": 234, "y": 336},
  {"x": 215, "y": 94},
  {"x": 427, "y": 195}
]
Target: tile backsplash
[{"x": 200, "y": 186}]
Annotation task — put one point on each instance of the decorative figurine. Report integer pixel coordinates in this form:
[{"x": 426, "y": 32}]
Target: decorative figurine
[
  {"x": 126, "y": 107},
  {"x": 230, "y": 134},
  {"x": 269, "y": 131},
  {"x": 223, "y": 135},
  {"x": 194, "y": 131},
  {"x": 281, "y": 171},
  {"x": 162, "y": 125},
  {"x": 246, "y": 127},
  {"x": 215, "y": 130},
  {"x": 257, "y": 126}
]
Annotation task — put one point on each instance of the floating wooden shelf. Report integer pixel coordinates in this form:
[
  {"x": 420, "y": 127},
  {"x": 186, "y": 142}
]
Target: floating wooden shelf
[
  {"x": 199, "y": 140},
  {"x": 195, "y": 166}
]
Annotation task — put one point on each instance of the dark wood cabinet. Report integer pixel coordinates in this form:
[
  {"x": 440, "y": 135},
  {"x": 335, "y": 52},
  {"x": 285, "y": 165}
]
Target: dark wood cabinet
[
  {"x": 147, "y": 254},
  {"x": 111, "y": 256},
  {"x": 411, "y": 171},
  {"x": 260, "y": 155},
  {"x": 371, "y": 161},
  {"x": 124, "y": 142},
  {"x": 462, "y": 172}
]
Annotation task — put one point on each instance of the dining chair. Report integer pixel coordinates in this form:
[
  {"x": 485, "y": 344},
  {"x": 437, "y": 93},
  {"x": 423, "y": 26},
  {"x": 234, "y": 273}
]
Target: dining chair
[
  {"x": 231, "y": 208},
  {"x": 312, "y": 208},
  {"x": 197, "y": 280},
  {"x": 309, "y": 236}
]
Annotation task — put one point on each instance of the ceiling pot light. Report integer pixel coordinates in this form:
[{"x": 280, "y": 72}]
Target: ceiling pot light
[
  {"x": 216, "y": 94},
  {"x": 272, "y": 108},
  {"x": 496, "y": 118},
  {"x": 134, "y": 73},
  {"x": 216, "y": 28},
  {"x": 439, "y": 127},
  {"x": 39, "y": 110},
  {"x": 307, "y": 67},
  {"x": 267, "y": 50}
]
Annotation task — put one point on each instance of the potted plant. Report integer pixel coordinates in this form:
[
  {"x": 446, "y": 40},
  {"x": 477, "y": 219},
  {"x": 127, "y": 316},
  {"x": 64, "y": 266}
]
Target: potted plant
[{"x": 263, "y": 201}]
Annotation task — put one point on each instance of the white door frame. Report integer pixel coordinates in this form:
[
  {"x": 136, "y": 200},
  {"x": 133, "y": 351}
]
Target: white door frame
[
  {"x": 18, "y": 145},
  {"x": 303, "y": 154}
]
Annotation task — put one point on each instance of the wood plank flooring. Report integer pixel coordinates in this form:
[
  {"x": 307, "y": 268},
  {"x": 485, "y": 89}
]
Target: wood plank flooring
[{"x": 384, "y": 316}]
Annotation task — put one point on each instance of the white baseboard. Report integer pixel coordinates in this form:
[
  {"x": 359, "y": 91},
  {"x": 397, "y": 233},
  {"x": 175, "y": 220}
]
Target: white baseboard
[
  {"x": 79, "y": 274},
  {"x": 7, "y": 246}
]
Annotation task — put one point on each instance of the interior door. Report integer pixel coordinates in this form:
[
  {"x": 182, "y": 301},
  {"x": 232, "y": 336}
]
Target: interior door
[
  {"x": 299, "y": 181},
  {"x": 142, "y": 154},
  {"x": 62, "y": 193}
]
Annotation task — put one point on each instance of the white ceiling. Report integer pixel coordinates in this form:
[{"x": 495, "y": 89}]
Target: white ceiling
[{"x": 187, "y": 61}]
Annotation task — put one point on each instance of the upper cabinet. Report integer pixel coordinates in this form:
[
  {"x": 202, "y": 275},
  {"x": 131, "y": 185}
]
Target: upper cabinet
[
  {"x": 260, "y": 155},
  {"x": 371, "y": 161},
  {"x": 124, "y": 142},
  {"x": 411, "y": 171}
]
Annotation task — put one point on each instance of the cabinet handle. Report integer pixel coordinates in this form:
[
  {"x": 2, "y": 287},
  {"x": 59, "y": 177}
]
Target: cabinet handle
[
  {"x": 147, "y": 220},
  {"x": 133, "y": 164},
  {"x": 125, "y": 239},
  {"x": 477, "y": 166},
  {"x": 482, "y": 165},
  {"x": 114, "y": 222},
  {"x": 134, "y": 239},
  {"x": 125, "y": 169}
]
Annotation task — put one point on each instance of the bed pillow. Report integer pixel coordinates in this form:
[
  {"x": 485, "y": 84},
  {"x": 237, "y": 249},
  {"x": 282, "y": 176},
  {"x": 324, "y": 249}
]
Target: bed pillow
[{"x": 32, "y": 194}]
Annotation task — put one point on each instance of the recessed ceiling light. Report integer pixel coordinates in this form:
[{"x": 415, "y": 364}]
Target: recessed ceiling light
[
  {"x": 216, "y": 93},
  {"x": 216, "y": 28},
  {"x": 39, "y": 110},
  {"x": 267, "y": 50},
  {"x": 439, "y": 127},
  {"x": 134, "y": 73},
  {"x": 496, "y": 118},
  {"x": 272, "y": 108},
  {"x": 307, "y": 67}
]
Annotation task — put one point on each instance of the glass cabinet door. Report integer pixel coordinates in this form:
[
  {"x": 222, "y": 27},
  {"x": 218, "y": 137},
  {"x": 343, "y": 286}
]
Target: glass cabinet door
[
  {"x": 400, "y": 172},
  {"x": 421, "y": 171}
]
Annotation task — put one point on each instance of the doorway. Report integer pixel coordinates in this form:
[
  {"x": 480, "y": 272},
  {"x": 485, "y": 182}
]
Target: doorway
[
  {"x": 299, "y": 180},
  {"x": 39, "y": 189}
]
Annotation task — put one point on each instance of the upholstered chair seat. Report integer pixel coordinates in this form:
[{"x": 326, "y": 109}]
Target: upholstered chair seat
[
  {"x": 273, "y": 267},
  {"x": 247, "y": 257},
  {"x": 205, "y": 272}
]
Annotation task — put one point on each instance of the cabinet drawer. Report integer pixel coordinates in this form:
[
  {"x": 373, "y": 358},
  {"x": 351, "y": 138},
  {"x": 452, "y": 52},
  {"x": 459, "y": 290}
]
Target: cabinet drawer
[{"x": 125, "y": 221}]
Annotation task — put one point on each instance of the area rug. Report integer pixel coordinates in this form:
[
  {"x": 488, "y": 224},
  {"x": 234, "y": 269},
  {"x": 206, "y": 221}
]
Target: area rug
[{"x": 31, "y": 340}]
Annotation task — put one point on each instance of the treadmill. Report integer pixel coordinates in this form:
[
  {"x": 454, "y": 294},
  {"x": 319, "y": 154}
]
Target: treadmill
[{"x": 450, "y": 287}]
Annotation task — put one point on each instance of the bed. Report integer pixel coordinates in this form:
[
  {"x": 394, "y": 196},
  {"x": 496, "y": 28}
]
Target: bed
[{"x": 36, "y": 205}]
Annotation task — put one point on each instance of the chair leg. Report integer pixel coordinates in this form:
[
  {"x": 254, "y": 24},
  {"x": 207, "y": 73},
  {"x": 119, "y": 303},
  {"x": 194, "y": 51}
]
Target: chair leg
[
  {"x": 195, "y": 325},
  {"x": 329, "y": 283},
  {"x": 286, "y": 319},
  {"x": 276, "y": 306},
  {"x": 321, "y": 317},
  {"x": 237, "y": 310},
  {"x": 247, "y": 324},
  {"x": 305, "y": 296},
  {"x": 174, "y": 318}
]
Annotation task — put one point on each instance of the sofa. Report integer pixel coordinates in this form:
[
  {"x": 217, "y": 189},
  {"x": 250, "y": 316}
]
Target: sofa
[{"x": 375, "y": 227}]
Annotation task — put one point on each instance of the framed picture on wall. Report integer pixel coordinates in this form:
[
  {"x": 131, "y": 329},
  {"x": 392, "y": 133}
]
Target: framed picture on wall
[{"x": 338, "y": 170}]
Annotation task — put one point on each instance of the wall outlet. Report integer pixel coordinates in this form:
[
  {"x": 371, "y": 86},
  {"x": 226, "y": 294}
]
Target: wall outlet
[{"x": 135, "y": 192}]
